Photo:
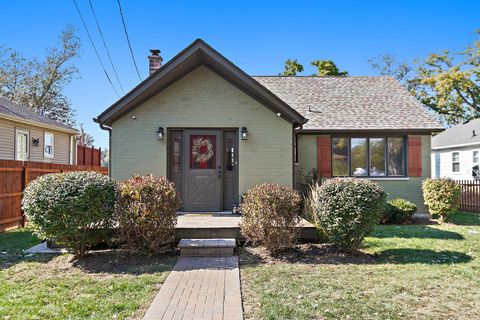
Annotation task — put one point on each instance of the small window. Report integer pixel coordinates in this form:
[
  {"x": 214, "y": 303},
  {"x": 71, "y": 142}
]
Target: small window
[
  {"x": 475, "y": 157},
  {"x": 396, "y": 157},
  {"x": 359, "y": 157},
  {"x": 377, "y": 157},
  {"x": 49, "y": 145},
  {"x": 455, "y": 162},
  {"x": 340, "y": 157}
]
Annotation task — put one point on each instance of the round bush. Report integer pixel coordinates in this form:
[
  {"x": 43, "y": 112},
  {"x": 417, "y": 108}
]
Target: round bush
[
  {"x": 270, "y": 216},
  {"x": 398, "y": 211},
  {"x": 73, "y": 209},
  {"x": 147, "y": 213},
  {"x": 348, "y": 209},
  {"x": 442, "y": 196}
]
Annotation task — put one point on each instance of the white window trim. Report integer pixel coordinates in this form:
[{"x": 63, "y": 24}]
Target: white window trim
[
  {"x": 459, "y": 165},
  {"x": 21, "y": 131},
  {"x": 45, "y": 154}
]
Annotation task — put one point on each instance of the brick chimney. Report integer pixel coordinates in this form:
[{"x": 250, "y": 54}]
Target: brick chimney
[{"x": 154, "y": 60}]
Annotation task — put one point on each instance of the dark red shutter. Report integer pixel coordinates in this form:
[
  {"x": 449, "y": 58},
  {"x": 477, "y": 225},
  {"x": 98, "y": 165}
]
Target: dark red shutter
[
  {"x": 414, "y": 156},
  {"x": 324, "y": 156}
]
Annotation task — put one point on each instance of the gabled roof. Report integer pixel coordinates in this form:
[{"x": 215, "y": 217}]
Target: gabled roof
[
  {"x": 467, "y": 134},
  {"x": 196, "y": 54},
  {"x": 12, "y": 111},
  {"x": 352, "y": 103}
]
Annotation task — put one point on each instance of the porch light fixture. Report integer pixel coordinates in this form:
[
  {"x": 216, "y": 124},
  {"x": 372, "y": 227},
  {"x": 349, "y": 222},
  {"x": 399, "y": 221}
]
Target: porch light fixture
[
  {"x": 244, "y": 133},
  {"x": 160, "y": 133}
]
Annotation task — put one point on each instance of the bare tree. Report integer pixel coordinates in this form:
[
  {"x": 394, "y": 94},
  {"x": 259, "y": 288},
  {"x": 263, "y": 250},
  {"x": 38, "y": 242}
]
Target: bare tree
[
  {"x": 39, "y": 83},
  {"x": 388, "y": 65}
]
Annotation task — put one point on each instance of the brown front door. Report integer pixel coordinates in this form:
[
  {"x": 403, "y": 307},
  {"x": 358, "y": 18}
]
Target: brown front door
[{"x": 203, "y": 170}]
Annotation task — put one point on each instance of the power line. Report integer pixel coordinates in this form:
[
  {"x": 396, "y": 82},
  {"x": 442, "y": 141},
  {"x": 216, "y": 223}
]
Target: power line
[
  {"x": 105, "y": 45},
  {"x": 95, "y": 48},
  {"x": 128, "y": 39}
]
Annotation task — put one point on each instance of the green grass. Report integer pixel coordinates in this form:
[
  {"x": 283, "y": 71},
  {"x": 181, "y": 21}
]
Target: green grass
[
  {"x": 104, "y": 285},
  {"x": 415, "y": 272}
]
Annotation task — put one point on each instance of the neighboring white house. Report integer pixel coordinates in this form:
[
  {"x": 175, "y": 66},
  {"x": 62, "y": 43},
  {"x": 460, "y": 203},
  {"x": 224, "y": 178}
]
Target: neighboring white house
[{"x": 456, "y": 152}]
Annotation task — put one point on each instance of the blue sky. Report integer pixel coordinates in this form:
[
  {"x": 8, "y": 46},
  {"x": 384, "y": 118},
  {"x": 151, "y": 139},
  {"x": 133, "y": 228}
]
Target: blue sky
[{"x": 258, "y": 36}]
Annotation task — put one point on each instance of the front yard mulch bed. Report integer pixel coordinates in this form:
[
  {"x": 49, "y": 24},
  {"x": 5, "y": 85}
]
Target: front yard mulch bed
[
  {"x": 401, "y": 272},
  {"x": 107, "y": 284}
]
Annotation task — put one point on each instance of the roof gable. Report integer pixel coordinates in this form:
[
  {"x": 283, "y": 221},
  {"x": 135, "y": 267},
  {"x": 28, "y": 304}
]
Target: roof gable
[{"x": 196, "y": 54}]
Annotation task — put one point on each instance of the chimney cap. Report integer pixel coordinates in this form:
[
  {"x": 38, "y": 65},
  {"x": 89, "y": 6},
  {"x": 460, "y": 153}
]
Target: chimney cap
[{"x": 155, "y": 52}]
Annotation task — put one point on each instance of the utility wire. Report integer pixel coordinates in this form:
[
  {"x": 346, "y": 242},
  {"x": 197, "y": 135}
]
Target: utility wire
[
  {"x": 105, "y": 45},
  {"x": 128, "y": 39},
  {"x": 95, "y": 48}
]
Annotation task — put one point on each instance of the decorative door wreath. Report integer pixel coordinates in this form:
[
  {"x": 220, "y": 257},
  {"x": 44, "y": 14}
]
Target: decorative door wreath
[{"x": 202, "y": 151}]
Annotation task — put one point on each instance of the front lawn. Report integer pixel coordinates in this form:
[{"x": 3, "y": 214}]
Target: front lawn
[
  {"x": 104, "y": 285},
  {"x": 403, "y": 272}
]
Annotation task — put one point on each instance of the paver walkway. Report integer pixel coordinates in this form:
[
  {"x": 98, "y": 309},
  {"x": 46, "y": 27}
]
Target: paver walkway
[{"x": 200, "y": 288}]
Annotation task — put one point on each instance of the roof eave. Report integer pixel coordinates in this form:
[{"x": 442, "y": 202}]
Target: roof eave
[
  {"x": 373, "y": 130},
  {"x": 39, "y": 124}
]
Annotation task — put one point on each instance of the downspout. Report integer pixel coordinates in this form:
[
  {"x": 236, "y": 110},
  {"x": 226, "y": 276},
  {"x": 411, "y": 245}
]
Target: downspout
[{"x": 109, "y": 129}]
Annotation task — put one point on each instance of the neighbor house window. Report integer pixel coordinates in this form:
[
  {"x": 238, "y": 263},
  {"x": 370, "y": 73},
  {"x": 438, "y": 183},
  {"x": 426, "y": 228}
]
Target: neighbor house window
[
  {"x": 48, "y": 145},
  {"x": 475, "y": 168},
  {"x": 368, "y": 157},
  {"x": 455, "y": 162},
  {"x": 22, "y": 140}
]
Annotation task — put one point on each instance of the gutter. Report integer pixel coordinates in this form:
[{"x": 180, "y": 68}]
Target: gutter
[
  {"x": 456, "y": 145},
  {"x": 40, "y": 124},
  {"x": 109, "y": 129}
]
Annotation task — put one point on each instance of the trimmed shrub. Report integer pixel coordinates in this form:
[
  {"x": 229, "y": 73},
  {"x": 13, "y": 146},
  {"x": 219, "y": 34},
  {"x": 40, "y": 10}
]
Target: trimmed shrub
[
  {"x": 348, "y": 209},
  {"x": 147, "y": 213},
  {"x": 73, "y": 209},
  {"x": 442, "y": 196},
  {"x": 398, "y": 211},
  {"x": 270, "y": 216}
]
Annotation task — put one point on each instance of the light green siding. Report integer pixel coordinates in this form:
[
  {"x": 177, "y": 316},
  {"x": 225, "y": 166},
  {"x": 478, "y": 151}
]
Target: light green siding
[
  {"x": 407, "y": 188},
  {"x": 202, "y": 99}
]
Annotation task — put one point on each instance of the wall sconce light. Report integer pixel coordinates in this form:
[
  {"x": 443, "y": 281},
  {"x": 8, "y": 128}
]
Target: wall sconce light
[
  {"x": 160, "y": 133},
  {"x": 244, "y": 133},
  {"x": 35, "y": 142}
]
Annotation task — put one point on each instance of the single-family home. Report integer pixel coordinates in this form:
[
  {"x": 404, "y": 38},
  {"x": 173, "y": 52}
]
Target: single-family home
[
  {"x": 28, "y": 136},
  {"x": 456, "y": 152},
  {"x": 216, "y": 131}
]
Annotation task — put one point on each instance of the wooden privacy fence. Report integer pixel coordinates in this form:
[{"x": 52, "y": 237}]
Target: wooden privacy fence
[
  {"x": 470, "y": 200},
  {"x": 89, "y": 156},
  {"x": 15, "y": 176}
]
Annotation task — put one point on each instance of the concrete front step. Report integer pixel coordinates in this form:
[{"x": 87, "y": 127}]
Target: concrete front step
[{"x": 207, "y": 247}]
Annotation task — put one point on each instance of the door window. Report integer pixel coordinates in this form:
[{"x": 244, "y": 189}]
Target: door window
[
  {"x": 229, "y": 155},
  {"x": 22, "y": 145},
  {"x": 202, "y": 152},
  {"x": 177, "y": 152}
]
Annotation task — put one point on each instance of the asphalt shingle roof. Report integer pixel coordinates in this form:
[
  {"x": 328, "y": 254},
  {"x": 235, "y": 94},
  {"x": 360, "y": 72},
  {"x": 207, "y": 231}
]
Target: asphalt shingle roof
[
  {"x": 11, "y": 109},
  {"x": 351, "y": 103},
  {"x": 459, "y": 135}
]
